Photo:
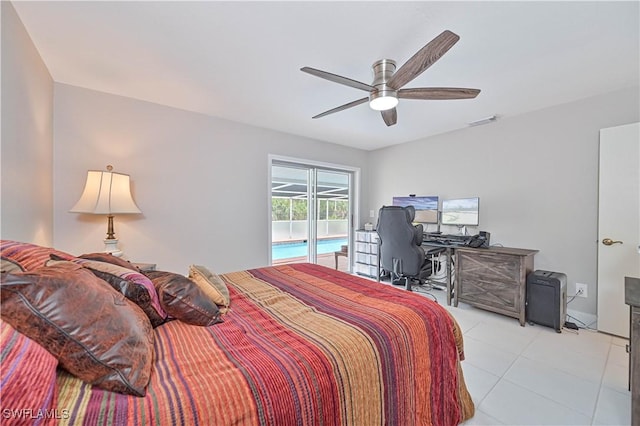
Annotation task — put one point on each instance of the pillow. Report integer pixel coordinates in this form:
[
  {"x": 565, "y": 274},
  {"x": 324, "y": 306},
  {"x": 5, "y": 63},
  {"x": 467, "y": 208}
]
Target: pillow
[
  {"x": 8, "y": 265},
  {"x": 183, "y": 300},
  {"x": 28, "y": 373},
  {"x": 29, "y": 256},
  {"x": 109, "y": 258},
  {"x": 212, "y": 285},
  {"x": 134, "y": 285},
  {"x": 95, "y": 332}
]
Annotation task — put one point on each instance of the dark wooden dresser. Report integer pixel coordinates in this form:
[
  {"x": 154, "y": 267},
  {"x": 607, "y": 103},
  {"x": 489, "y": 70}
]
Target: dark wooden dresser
[
  {"x": 493, "y": 279},
  {"x": 632, "y": 298}
]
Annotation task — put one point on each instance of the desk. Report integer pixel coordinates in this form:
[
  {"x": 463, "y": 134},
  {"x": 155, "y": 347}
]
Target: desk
[
  {"x": 493, "y": 279},
  {"x": 488, "y": 278},
  {"x": 449, "y": 253}
]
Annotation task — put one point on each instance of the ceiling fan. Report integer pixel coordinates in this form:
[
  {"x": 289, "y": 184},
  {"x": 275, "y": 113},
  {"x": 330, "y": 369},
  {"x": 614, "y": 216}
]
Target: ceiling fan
[{"x": 387, "y": 83}]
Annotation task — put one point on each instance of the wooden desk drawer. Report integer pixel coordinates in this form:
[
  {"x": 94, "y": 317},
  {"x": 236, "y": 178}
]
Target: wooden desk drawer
[
  {"x": 493, "y": 279},
  {"x": 489, "y": 280}
]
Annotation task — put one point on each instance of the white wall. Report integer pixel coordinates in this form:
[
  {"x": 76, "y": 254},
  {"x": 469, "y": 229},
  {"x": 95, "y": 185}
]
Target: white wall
[
  {"x": 27, "y": 137},
  {"x": 201, "y": 182},
  {"x": 536, "y": 175}
]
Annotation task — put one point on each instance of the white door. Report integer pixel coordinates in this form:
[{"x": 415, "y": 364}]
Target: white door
[{"x": 618, "y": 224}]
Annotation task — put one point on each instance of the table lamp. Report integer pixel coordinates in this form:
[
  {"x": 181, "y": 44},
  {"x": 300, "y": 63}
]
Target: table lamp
[{"x": 107, "y": 192}]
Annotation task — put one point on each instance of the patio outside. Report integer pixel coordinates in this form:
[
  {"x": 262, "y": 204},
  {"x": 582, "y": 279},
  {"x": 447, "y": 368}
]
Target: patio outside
[
  {"x": 290, "y": 213},
  {"x": 289, "y": 231}
]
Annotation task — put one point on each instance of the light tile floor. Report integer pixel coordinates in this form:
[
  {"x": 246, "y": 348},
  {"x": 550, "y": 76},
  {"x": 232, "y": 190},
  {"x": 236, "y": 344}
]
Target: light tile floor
[{"x": 534, "y": 376}]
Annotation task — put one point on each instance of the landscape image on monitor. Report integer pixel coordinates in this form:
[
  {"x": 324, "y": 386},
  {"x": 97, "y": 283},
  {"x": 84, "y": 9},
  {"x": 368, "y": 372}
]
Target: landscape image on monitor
[
  {"x": 426, "y": 207},
  {"x": 461, "y": 211}
]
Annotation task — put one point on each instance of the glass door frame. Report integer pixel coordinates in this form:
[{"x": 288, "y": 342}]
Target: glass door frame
[{"x": 313, "y": 167}]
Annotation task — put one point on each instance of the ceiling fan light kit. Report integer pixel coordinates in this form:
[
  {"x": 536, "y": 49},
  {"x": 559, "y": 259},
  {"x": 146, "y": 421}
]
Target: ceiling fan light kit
[
  {"x": 386, "y": 88},
  {"x": 383, "y": 97},
  {"x": 383, "y": 100}
]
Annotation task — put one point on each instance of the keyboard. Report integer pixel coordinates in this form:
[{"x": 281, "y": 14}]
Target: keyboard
[
  {"x": 446, "y": 240},
  {"x": 457, "y": 243},
  {"x": 433, "y": 241}
]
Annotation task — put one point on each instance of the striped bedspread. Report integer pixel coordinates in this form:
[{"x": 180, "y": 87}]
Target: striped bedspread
[{"x": 301, "y": 345}]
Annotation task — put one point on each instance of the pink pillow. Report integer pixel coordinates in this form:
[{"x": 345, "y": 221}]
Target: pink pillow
[{"x": 29, "y": 256}]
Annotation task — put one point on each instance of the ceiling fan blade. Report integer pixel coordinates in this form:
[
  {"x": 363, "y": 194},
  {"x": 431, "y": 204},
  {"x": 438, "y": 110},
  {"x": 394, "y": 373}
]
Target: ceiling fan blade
[
  {"x": 342, "y": 107},
  {"x": 423, "y": 59},
  {"x": 337, "y": 79},
  {"x": 438, "y": 93},
  {"x": 390, "y": 116}
]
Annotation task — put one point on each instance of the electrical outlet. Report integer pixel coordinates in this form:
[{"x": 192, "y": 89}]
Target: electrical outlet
[
  {"x": 372, "y": 213},
  {"x": 582, "y": 290}
]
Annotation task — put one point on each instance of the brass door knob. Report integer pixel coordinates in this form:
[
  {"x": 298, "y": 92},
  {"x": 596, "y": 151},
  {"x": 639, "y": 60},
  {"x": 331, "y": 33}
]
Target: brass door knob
[{"x": 610, "y": 242}]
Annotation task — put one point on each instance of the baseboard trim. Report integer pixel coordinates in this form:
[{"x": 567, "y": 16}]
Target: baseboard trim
[{"x": 582, "y": 319}]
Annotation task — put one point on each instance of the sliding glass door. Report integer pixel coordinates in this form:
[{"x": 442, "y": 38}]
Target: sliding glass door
[
  {"x": 310, "y": 214},
  {"x": 332, "y": 215},
  {"x": 290, "y": 189}
]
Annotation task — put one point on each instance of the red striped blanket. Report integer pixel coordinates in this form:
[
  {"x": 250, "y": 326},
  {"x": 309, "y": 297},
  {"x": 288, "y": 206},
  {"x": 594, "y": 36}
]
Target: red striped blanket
[{"x": 301, "y": 345}]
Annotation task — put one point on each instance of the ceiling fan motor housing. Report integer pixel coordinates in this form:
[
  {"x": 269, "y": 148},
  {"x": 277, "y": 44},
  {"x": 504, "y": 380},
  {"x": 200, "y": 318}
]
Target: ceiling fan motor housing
[{"x": 382, "y": 72}]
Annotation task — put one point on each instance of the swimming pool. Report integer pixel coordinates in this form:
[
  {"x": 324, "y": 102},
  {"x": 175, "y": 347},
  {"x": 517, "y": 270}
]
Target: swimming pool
[{"x": 299, "y": 249}]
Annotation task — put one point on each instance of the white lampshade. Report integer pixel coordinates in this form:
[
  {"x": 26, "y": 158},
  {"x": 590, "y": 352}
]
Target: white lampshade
[{"x": 106, "y": 193}]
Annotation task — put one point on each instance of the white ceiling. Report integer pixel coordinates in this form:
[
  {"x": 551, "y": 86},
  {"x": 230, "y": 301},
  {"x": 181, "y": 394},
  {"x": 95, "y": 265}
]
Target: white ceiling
[{"x": 241, "y": 60}]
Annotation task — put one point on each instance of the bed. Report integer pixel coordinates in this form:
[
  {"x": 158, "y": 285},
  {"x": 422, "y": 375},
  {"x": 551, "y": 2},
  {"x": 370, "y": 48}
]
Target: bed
[{"x": 301, "y": 344}]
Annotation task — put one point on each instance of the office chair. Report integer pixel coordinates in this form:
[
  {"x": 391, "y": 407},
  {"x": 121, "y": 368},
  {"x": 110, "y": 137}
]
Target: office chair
[{"x": 400, "y": 251}]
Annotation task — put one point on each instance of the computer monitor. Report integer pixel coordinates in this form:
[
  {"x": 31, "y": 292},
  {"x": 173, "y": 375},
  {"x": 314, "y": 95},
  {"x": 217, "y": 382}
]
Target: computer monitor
[
  {"x": 426, "y": 207},
  {"x": 461, "y": 212}
]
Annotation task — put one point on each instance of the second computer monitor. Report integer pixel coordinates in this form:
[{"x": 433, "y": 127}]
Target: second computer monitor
[{"x": 461, "y": 211}]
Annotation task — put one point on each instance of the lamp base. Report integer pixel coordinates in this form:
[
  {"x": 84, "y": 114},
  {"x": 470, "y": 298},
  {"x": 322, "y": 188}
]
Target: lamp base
[{"x": 111, "y": 247}]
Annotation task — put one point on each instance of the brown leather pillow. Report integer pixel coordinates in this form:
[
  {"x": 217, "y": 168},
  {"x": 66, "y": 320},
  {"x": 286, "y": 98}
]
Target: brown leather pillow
[
  {"x": 184, "y": 300},
  {"x": 95, "y": 332},
  {"x": 109, "y": 258},
  {"x": 132, "y": 283}
]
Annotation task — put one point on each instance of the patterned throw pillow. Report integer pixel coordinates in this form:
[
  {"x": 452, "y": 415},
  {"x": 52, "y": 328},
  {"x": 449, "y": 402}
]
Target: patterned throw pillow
[
  {"x": 212, "y": 285},
  {"x": 95, "y": 332},
  {"x": 183, "y": 300},
  {"x": 28, "y": 373},
  {"x": 29, "y": 256},
  {"x": 8, "y": 265},
  {"x": 134, "y": 285}
]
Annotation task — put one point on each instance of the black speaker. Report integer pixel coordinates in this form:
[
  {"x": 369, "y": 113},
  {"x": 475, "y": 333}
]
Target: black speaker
[{"x": 547, "y": 299}]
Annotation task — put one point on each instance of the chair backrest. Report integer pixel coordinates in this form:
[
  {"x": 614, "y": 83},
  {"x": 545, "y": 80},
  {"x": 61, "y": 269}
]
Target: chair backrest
[{"x": 399, "y": 239}]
